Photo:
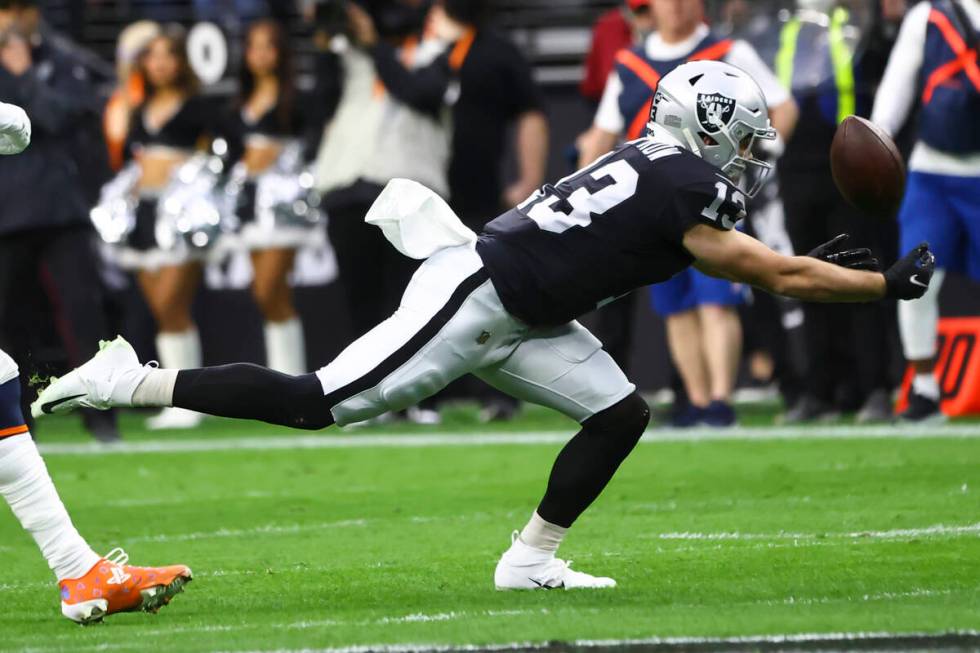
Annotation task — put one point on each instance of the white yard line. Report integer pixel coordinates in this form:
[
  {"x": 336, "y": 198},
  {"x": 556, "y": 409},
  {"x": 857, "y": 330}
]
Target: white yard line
[
  {"x": 893, "y": 534},
  {"x": 328, "y": 441}
]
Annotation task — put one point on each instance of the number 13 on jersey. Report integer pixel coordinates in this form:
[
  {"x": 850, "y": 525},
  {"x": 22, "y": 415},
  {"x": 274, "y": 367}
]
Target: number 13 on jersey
[
  {"x": 575, "y": 200},
  {"x": 716, "y": 213}
]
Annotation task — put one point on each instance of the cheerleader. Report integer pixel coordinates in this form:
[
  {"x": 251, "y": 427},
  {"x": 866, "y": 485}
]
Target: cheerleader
[
  {"x": 267, "y": 124},
  {"x": 164, "y": 131}
]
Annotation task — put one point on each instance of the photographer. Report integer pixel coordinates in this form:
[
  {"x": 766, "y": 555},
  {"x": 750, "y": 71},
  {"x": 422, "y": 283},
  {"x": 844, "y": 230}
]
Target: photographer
[
  {"x": 386, "y": 125},
  {"x": 46, "y": 245}
]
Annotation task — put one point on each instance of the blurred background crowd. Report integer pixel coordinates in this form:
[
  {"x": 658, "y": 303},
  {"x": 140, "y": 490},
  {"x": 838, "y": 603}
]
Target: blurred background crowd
[{"x": 148, "y": 115}]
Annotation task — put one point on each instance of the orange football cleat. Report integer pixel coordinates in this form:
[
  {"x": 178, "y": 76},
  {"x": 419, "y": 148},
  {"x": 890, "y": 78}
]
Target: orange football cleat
[{"x": 113, "y": 586}]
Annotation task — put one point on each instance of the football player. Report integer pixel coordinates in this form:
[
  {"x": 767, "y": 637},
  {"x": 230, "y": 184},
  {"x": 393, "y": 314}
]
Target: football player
[
  {"x": 91, "y": 586},
  {"x": 504, "y": 309}
]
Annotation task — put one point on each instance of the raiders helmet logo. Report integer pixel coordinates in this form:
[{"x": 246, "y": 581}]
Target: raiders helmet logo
[{"x": 714, "y": 111}]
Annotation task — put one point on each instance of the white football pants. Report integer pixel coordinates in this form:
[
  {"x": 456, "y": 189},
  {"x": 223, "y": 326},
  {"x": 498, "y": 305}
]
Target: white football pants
[{"x": 450, "y": 323}]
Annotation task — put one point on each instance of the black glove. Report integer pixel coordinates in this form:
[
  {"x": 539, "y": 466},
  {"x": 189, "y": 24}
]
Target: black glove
[
  {"x": 856, "y": 259},
  {"x": 909, "y": 277}
]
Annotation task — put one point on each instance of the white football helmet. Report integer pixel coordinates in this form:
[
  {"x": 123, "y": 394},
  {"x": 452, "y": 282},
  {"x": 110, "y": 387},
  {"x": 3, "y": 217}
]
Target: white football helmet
[{"x": 716, "y": 111}]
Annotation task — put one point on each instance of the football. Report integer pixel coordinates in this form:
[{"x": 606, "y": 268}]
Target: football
[{"x": 867, "y": 167}]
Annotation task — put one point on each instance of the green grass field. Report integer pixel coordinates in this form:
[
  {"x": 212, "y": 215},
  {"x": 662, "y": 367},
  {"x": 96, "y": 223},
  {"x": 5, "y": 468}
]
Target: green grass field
[{"x": 374, "y": 542}]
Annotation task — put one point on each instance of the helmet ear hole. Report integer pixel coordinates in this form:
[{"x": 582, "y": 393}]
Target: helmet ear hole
[{"x": 707, "y": 139}]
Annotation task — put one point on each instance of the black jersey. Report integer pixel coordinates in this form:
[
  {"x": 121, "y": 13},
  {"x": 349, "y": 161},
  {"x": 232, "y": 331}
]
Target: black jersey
[{"x": 612, "y": 227}]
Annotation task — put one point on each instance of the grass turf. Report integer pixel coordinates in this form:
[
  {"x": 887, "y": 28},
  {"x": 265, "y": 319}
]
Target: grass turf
[{"x": 325, "y": 548}]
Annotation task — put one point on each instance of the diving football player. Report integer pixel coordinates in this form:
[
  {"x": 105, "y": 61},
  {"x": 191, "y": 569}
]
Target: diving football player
[{"x": 504, "y": 308}]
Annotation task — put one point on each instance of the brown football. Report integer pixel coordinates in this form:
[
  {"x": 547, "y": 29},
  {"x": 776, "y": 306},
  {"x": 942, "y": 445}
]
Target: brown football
[{"x": 867, "y": 167}]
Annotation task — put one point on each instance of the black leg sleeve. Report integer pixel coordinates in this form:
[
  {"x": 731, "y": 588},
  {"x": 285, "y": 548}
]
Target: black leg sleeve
[
  {"x": 589, "y": 460},
  {"x": 247, "y": 391}
]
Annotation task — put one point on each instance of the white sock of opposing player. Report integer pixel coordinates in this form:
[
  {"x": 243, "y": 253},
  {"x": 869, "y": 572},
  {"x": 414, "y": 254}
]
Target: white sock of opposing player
[
  {"x": 285, "y": 349},
  {"x": 542, "y": 534},
  {"x": 27, "y": 488}
]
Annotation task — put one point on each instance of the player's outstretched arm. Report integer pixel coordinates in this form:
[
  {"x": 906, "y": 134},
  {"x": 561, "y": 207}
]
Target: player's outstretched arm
[{"x": 733, "y": 255}]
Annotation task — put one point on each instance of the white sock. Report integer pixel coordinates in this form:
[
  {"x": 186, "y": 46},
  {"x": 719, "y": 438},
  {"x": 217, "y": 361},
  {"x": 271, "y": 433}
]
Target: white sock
[
  {"x": 285, "y": 349},
  {"x": 918, "y": 320},
  {"x": 542, "y": 534},
  {"x": 926, "y": 385},
  {"x": 156, "y": 388},
  {"x": 179, "y": 351},
  {"x": 25, "y": 484}
]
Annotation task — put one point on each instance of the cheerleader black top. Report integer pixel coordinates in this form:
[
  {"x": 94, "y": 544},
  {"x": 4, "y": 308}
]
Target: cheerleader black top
[
  {"x": 183, "y": 130},
  {"x": 300, "y": 122},
  {"x": 272, "y": 124}
]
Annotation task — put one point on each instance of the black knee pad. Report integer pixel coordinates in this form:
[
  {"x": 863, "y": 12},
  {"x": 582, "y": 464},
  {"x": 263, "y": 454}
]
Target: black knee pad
[{"x": 625, "y": 421}]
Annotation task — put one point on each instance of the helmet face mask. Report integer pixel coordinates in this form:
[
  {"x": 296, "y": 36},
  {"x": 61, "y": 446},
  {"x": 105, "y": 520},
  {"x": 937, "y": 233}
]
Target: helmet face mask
[
  {"x": 743, "y": 161},
  {"x": 716, "y": 111}
]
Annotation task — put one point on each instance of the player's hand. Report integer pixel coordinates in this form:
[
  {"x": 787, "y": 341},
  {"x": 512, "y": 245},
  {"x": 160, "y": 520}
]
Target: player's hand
[
  {"x": 909, "y": 277},
  {"x": 856, "y": 259}
]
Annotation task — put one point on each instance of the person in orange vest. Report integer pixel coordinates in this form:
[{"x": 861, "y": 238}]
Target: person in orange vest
[
  {"x": 703, "y": 329},
  {"x": 934, "y": 62}
]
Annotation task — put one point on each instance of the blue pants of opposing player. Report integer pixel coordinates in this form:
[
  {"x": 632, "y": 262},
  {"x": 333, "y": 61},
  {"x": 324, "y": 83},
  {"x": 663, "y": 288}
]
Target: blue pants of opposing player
[
  {"x": 691, "y": 289},
  {"x": 944, "y": 211}
]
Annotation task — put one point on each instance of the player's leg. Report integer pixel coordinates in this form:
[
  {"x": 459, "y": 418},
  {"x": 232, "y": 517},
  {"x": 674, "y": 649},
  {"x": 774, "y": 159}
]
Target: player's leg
[
  {"x": 927, "y": 215},
  {"x": 567, "y": 370},
  {"x": 436, "y": 336},
  {"x": 169, "y": 292},
  {"x": 91, "y": 586},
  {"x": 721, "y": 342},
  {"x": 450, "y": 322},
  {"x": 285, "y": 348},
  {"x": 25, "y": 485}
]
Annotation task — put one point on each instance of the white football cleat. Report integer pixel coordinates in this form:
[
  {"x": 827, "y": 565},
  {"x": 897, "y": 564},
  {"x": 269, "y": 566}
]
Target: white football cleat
[
  {"x": 109, "y": 379},
  {"x": 524, "y": 567},
  {"x": 174, "y": 418}
]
